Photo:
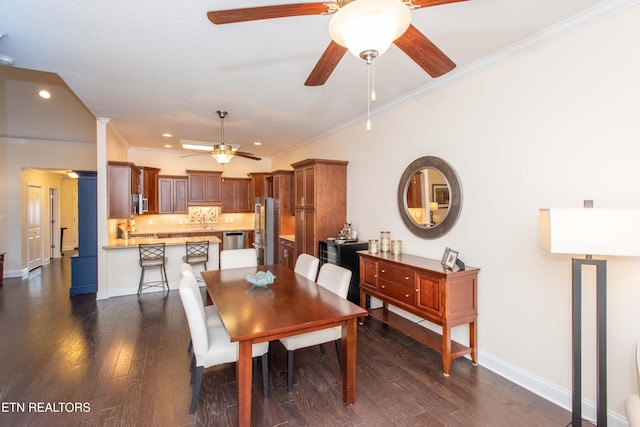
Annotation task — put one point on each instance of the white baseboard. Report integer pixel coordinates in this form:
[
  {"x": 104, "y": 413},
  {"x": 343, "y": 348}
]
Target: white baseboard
[{"x": 545, "y": 389}]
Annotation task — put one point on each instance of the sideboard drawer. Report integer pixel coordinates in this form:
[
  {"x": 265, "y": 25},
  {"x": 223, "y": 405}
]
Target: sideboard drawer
[
  {"x": 394, "y": 274},
  {"x": 397, "y": 292}
]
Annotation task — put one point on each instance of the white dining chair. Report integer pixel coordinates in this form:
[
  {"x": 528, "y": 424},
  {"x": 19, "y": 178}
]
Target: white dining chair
[
  {"x": 212, "y": 346},
  {"x": 210, "y": 311},
  {"x": 336, "y": 279},
  {"x": 238, "y": 258},
  {"x": 307, "y": 265}
]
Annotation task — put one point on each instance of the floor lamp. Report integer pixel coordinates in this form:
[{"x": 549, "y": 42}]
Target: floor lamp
[{"x": 609, "y": 232}]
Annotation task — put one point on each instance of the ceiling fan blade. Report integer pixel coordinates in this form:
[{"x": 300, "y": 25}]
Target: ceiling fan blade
[
  {"x": 246, "y": 155},
  {"x": 191, "y": 155},
  {"x": 265, "y": 12},
  {"x": 428, "y": 3},
  {"x": 326, "y": 64},
  {"x": 426, "y": 54}
]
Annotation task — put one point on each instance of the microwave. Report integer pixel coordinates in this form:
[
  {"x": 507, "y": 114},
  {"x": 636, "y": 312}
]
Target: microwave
[{"x": 139, "y": 205}]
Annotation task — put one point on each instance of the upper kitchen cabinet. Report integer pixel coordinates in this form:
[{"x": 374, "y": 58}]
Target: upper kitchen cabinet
[
  {"x": 205, "y": 188},
  {"x": 172, "y": 194},
  {"x": 320, "y": 188},
  {"x": 149, "y": 181},
  {"x": 282, "y": 189},
  {"x": 236, "y": 195},
  {"x": 261, "y": 184},
  {"x": 123, "y": 180}
]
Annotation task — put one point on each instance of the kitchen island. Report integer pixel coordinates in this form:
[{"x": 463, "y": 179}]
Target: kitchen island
[{"x": 123, "y": 269}]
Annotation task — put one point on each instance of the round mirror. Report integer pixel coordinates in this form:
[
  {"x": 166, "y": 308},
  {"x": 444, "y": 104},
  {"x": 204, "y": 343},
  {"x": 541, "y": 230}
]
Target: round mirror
[{"x": 429, "y": 197}]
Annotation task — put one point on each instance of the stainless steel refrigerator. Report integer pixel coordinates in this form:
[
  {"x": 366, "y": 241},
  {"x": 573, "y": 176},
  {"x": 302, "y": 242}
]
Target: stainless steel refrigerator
[{"x": 264, "y": 239}]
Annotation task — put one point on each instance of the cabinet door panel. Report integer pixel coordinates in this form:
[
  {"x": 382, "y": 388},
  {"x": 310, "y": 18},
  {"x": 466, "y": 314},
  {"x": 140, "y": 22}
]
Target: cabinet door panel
[
  {"x": 368, "y": 276},
  {"x": 309, "y": 187},
  {"x": 180, "y": 196},
  {"x": 243, "y": 196},
  {"x": 213, "y": 188},
  {"x": 165, "y": 186},
  {"x": 429, "y": 295},
  {"x": 196, "y": 188}
]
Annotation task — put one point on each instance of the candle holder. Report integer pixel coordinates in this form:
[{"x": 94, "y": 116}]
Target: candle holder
[
  {"x": 373, "y": 246},
  {"x": 396, "y": 247},
  {"x": 385, "y": 241}
]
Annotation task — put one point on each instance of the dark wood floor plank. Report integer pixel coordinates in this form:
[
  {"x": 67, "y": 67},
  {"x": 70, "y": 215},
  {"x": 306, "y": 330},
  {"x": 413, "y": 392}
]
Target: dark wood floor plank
[{"x": 128, "y": 360}]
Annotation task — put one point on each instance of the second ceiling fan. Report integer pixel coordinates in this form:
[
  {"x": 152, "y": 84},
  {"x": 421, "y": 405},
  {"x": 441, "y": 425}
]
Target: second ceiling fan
[{"x": 391, "y": 21}]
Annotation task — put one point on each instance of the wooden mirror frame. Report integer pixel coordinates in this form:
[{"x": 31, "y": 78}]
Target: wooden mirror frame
[{"x": 455, "y": 197}]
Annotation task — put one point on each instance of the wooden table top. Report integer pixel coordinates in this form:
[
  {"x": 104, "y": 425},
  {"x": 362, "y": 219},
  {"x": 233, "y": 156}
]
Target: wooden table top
[{"x": 291, "y": 305}]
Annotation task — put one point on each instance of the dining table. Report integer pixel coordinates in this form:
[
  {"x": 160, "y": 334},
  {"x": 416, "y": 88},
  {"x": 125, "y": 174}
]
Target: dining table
[{"x": 291, "y": 305}]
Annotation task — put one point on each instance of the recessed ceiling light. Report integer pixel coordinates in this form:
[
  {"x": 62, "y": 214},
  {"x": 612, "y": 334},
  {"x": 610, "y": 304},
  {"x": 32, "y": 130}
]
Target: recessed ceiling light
[
  {"x": 168, "y": 145},
  {"x": 167, "y": 135},
  {"x": 257, "y": 143},
  {"x": 44, "y": 94}
]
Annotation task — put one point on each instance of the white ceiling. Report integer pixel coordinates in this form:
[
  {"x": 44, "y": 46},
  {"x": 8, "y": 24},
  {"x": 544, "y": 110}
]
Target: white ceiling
[{"x": 156, "y": 66}]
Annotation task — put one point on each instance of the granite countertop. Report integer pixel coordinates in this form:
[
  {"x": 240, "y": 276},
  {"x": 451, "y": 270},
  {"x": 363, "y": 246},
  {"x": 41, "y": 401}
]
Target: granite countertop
[
  {"x": 169, "y": 241},
  {"x": 290, "y": 237}
]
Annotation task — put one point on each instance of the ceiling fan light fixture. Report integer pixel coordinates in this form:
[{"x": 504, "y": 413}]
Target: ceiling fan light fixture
[
  {"x": 369, "y": 25},
  {"x": 222, "y": 153}
]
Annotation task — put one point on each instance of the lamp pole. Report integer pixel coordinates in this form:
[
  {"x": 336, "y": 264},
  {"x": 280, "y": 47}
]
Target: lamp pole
[{"x": 601, "y": 339}]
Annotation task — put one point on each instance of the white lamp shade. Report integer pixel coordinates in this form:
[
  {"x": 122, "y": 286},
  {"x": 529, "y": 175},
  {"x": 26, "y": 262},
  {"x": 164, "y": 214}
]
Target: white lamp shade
[
  {"x": 369, "y": 25},
  {"x": 590, "y": 231}
]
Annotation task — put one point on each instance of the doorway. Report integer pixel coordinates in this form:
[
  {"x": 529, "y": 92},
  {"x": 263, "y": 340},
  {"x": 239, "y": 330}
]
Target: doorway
[
  {"x": 54, "y": 220},
  {"x": 34, "y": 227}
]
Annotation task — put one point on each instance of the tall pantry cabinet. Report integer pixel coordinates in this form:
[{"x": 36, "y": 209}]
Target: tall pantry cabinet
[{"x": 320, "y": 201}]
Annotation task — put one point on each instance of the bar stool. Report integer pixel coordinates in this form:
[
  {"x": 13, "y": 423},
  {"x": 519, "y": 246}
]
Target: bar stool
[
  {"x": 197, "y": 253},
  {"x": 152, "y": 256}
]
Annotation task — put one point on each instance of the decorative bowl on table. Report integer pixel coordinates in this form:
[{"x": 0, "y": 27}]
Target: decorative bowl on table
[{"x": 261, "y": 278}]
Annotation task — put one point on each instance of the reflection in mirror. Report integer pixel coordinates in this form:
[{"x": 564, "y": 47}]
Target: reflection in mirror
[
  {"x": 429, "y": 197},
  {"x": 428, "y": 208}
]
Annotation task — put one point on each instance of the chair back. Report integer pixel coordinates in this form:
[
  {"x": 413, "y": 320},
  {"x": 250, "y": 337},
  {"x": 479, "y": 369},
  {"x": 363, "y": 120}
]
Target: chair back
[
  {"x": 238, "y": 258},
  {"x": 151, "y": 254},
  {"x": 187, "y": 270},
  {"x": 197, "y": 251},
  {"x": 196, "y": 317},
  {"x": 335, "y": 278},
  {"x": 307, "y": 265}
]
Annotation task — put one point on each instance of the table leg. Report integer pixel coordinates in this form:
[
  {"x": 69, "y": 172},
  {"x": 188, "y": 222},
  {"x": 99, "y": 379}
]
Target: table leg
[
  {"x": 446, "y": 349},
  {"x": 473, "y": 337},
  {"x": 349, "y": 332},
  {"x": 243, "y": 378}
]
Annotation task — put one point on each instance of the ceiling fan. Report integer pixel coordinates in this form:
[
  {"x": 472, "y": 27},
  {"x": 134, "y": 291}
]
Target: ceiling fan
[
  {"x": 388, "y": 16},
  {"x": 222, "y": 152}
]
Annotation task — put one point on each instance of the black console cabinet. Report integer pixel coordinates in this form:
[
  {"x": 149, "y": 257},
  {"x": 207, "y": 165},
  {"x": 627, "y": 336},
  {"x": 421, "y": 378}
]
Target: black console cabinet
[{"x": 345, "y": 255}]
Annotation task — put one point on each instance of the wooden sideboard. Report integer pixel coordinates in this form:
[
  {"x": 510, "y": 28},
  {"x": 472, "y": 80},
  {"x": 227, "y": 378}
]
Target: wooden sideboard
[{"x": 423, "y": 287}]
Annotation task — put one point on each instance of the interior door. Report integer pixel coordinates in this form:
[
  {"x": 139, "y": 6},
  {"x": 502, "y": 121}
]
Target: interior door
[{"x": 34, "y": 227}]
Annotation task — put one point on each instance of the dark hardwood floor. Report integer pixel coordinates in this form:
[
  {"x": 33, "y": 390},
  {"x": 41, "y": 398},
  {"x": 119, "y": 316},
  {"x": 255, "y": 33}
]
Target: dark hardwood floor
[{"x": 77, "y": 361}]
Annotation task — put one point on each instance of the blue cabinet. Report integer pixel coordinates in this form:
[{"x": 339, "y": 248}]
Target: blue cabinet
[{"x": 84, "y": 266}]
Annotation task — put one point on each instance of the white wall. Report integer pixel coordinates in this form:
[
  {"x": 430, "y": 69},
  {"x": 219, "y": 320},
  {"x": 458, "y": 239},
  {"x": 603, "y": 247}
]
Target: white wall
[
  {"x": 550, "y": 128},
  {"x": 15, "y": 155}
]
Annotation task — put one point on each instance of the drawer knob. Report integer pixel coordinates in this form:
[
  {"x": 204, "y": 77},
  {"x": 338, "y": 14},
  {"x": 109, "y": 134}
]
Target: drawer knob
[
  {"x": 382, "y": 271},
  {"x": 406, "y": 278},
  {"x": 382, "y": 286},
  {"x": 406, "y": 295}
]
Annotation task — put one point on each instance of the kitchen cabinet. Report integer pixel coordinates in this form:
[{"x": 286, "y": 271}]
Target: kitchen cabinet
[
  {"x": 123, "y": 180},
  {"x": 204, "y": 188},
  {"x": 287, "y": 255},
  {"x": 236, "y": 195},
  {"x": 172, "y": 191},
  {"x": 423, "y": 287},
  {"x": 149, "y": 184},
  {"x": 320, "y": 201},
  {"x": 283, "y": 212},
  {"x": 261, "y": 183}
]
